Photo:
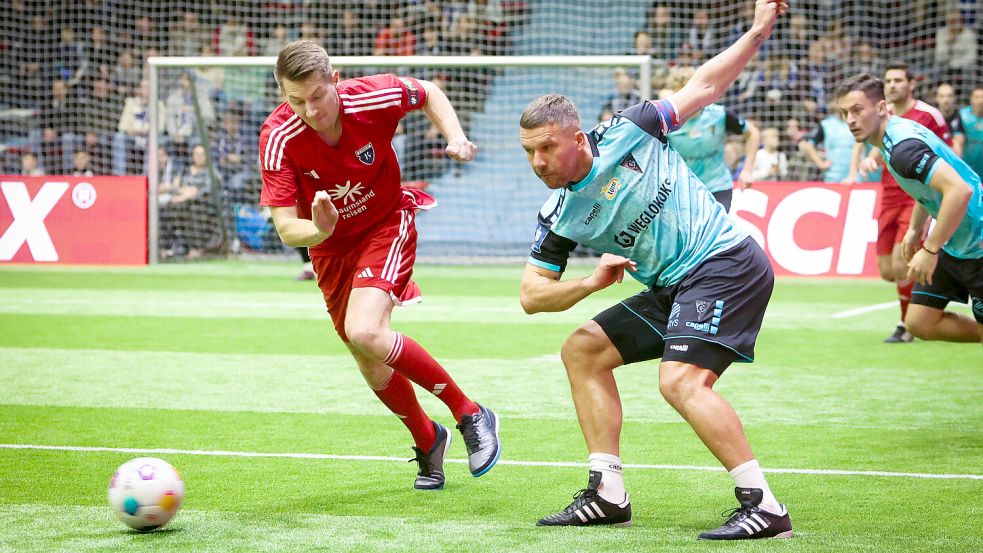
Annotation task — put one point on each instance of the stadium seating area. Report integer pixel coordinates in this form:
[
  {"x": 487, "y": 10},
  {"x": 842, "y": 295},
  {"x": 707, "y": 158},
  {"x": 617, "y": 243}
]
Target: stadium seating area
[{"x": 73, "y": 93}]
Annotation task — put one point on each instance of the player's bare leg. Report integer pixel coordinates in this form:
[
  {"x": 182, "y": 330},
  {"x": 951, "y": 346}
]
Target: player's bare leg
[
  {"x": 929, "y": 323},
  {"x": 689, "y": 389},
  {"x": 893, "y": 268},
  {"x": 367, "y": 326},
  {"x": 590, "y": 359}
]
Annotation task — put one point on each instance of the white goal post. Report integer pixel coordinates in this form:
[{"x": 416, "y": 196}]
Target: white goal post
[{"x": 566, "y": 66}]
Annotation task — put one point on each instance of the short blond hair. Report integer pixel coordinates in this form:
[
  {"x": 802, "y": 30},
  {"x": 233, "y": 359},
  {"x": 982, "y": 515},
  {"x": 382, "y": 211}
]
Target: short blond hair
[
  {"x": 679, "y": 76},
  {"x": 551, "y": 109},
  {"x": 299, "y": 60}
]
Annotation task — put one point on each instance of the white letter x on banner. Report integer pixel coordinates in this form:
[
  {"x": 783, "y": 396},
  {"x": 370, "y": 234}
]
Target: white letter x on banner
[{"x": 28, "y": 224}]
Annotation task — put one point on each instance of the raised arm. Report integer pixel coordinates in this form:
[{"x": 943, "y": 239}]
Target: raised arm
[
  {"x": 440, "y": 111},
  {"x": 713, "y": 77}
]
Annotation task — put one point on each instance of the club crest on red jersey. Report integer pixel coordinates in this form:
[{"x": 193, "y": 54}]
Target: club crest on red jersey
[{"x": 366, "y": 154}]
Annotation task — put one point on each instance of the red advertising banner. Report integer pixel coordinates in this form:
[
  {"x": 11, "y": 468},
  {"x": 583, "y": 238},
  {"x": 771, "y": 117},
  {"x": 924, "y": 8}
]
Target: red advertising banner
[
  {"x": 64, "y": 219},
  {"x": 813, "y": 228}
]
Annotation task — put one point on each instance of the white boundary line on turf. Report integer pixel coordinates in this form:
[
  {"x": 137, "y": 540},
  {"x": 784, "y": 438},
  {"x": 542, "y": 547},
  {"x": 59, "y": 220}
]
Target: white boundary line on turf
[
  {"x": 212, "y": 453},
  {"x": 861, "y": 310}
]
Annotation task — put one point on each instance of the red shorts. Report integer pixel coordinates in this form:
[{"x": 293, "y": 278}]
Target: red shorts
[
  {"x": 892, "y": 223},
  {"x": 383, "y": 260}
]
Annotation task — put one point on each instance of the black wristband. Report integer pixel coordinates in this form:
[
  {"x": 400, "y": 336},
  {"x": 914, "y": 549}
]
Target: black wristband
[{"x": 936, "y": 252}]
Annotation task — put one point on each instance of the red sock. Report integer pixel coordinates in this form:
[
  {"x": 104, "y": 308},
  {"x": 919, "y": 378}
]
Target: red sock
[
  {"x": 399, "y": 397},
  {"x": 413, "y": 362},
  {"x": 904, "y": 295}
]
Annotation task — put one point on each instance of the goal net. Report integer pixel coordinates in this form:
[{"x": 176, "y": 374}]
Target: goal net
[{"x": 74, "y": 89}]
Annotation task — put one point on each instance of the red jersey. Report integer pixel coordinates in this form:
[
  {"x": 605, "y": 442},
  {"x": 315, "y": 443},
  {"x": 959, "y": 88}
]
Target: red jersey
[
  {"x": 930, "y": 117},
  {"x": 361, "y": 174}
]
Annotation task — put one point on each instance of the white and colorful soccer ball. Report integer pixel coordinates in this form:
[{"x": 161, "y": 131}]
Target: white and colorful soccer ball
[{"x": 145, "y": 493}]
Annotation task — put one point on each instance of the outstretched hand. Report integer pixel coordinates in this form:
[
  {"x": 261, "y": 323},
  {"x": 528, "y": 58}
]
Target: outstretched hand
[
  {"x": 765, "y": 14},
  {"x": 461, "y": 149},
  {"x": 609, "y": 270},
  {"x": 324, "y": 214}
]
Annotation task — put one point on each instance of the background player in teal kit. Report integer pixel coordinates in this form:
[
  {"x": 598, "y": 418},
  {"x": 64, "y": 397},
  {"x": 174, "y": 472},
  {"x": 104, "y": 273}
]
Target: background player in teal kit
[
  {"x": 972, "y": 123},
  {"x": 834, "y": 137},
  {"x": 623, "y": 190},
  {"x": 948, "y": 266},
  {"x": 700, "y": 140}
]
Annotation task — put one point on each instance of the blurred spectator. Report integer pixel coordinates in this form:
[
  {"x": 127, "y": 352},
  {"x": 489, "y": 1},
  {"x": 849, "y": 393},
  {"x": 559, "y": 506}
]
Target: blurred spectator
[
  {"x": 81, "y": 164},
  {"x": 99, "y": 110},
  {"x": 32, "y": 57},
  {"x": 275, "y": 42},
  {"x": 395, "y": 40},
  {"x": 168, "y": 171},
  {"x": 130, "y": 144},
  {"x": 69, "y": 55},
  {"x": 351, "y": 37},
  {"x": 187, "y": 37},
  {"x": 771, "y": 163},
  {"x": 865, "y": 60},
  {"x": 100, "y": 55},
  {"x": 29, "y": 165},
  {"x": 664, "y": 37},
  {"x": 734, "y": 158},
  {"x": 180, "y": 117},
  {"x": 700, "y": 36},
  {"x": 234, "y": 157},
  {"x": 972, "y": 122},
  {"x": 235, "y": 38},
  {"x": 945, "y": 100},
  {"x": 798, "y": 38},
  {"x": 186, "y": 210},
  {"x": 626, "y": 93},
  {"x": 126, "y": 75},
  {"x": 100, "y": 153},
  {"x": 955, "y": 49},
  {"x": 57, "y": 118}
]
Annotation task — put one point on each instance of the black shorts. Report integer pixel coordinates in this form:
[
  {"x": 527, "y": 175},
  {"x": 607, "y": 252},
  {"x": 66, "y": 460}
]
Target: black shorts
[
  {"x": 954, "y": 279},
  {"x": 724, "y": 197},
  {"x": 710, "y": 318}
]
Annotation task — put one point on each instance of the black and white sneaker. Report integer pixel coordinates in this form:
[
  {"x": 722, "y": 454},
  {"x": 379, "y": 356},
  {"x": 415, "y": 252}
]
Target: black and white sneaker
[
  {"x": 900, "y": 336},
  {"x": 480, "y": 433},
  {"x": 750, "y": 522},
  {"x": 431, "y": 475},
  {"x": 589, "y": 508}
]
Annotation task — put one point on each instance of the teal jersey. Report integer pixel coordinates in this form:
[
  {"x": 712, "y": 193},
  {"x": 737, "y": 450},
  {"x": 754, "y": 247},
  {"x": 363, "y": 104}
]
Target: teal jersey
[
  {"x": 837, "y": 141},
  {"x": 973, "y": 128},
  {"x": 639, "y": 200},
  {"x": 912, "y": 152},
  {"x": 701, "y": 143}
]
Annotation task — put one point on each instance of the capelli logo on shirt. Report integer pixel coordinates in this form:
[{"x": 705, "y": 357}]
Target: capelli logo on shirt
[{"x": 611, "y": 188}]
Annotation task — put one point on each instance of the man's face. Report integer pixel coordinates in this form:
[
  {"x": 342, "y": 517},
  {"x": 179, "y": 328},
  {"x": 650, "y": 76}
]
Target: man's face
[
  {"x": 862, "y": 115},
  {"x": 976, "y": 101},
  {"x": 315, "y": 99},
  {"x": 897, "y": 87},
  {"x": 553, "y": 152},
  {"x": 945, "y": 98}
]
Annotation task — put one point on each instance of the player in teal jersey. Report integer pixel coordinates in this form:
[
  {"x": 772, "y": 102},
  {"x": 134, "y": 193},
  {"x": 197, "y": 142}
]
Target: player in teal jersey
[
  {"x": 949, "y": 264},
  {"x": 700, "y": 140},
  {"x": 972, "y": 122},
  {"x": 621, "y": 189},
  {"x": 833, "y": 136}
]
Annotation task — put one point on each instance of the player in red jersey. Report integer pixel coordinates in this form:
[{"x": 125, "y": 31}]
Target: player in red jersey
[
  {"x": 332, "y": 181},
  {"x": 896, "y": 205}
]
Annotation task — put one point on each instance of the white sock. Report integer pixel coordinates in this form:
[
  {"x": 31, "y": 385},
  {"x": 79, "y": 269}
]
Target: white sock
[
  {"x": 749, "y": 475},
  {"x": 309, "y": 266},
  {"x": 612, "y": 487}
]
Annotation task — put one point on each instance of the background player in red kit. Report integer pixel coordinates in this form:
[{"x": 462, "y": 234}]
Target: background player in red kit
[
  {"x": 332, "y": 180},
  {"x": 896, "y": 205}
]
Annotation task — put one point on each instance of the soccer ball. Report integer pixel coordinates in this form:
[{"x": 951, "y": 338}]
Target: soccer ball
[{"x": 145, "y": 493}]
